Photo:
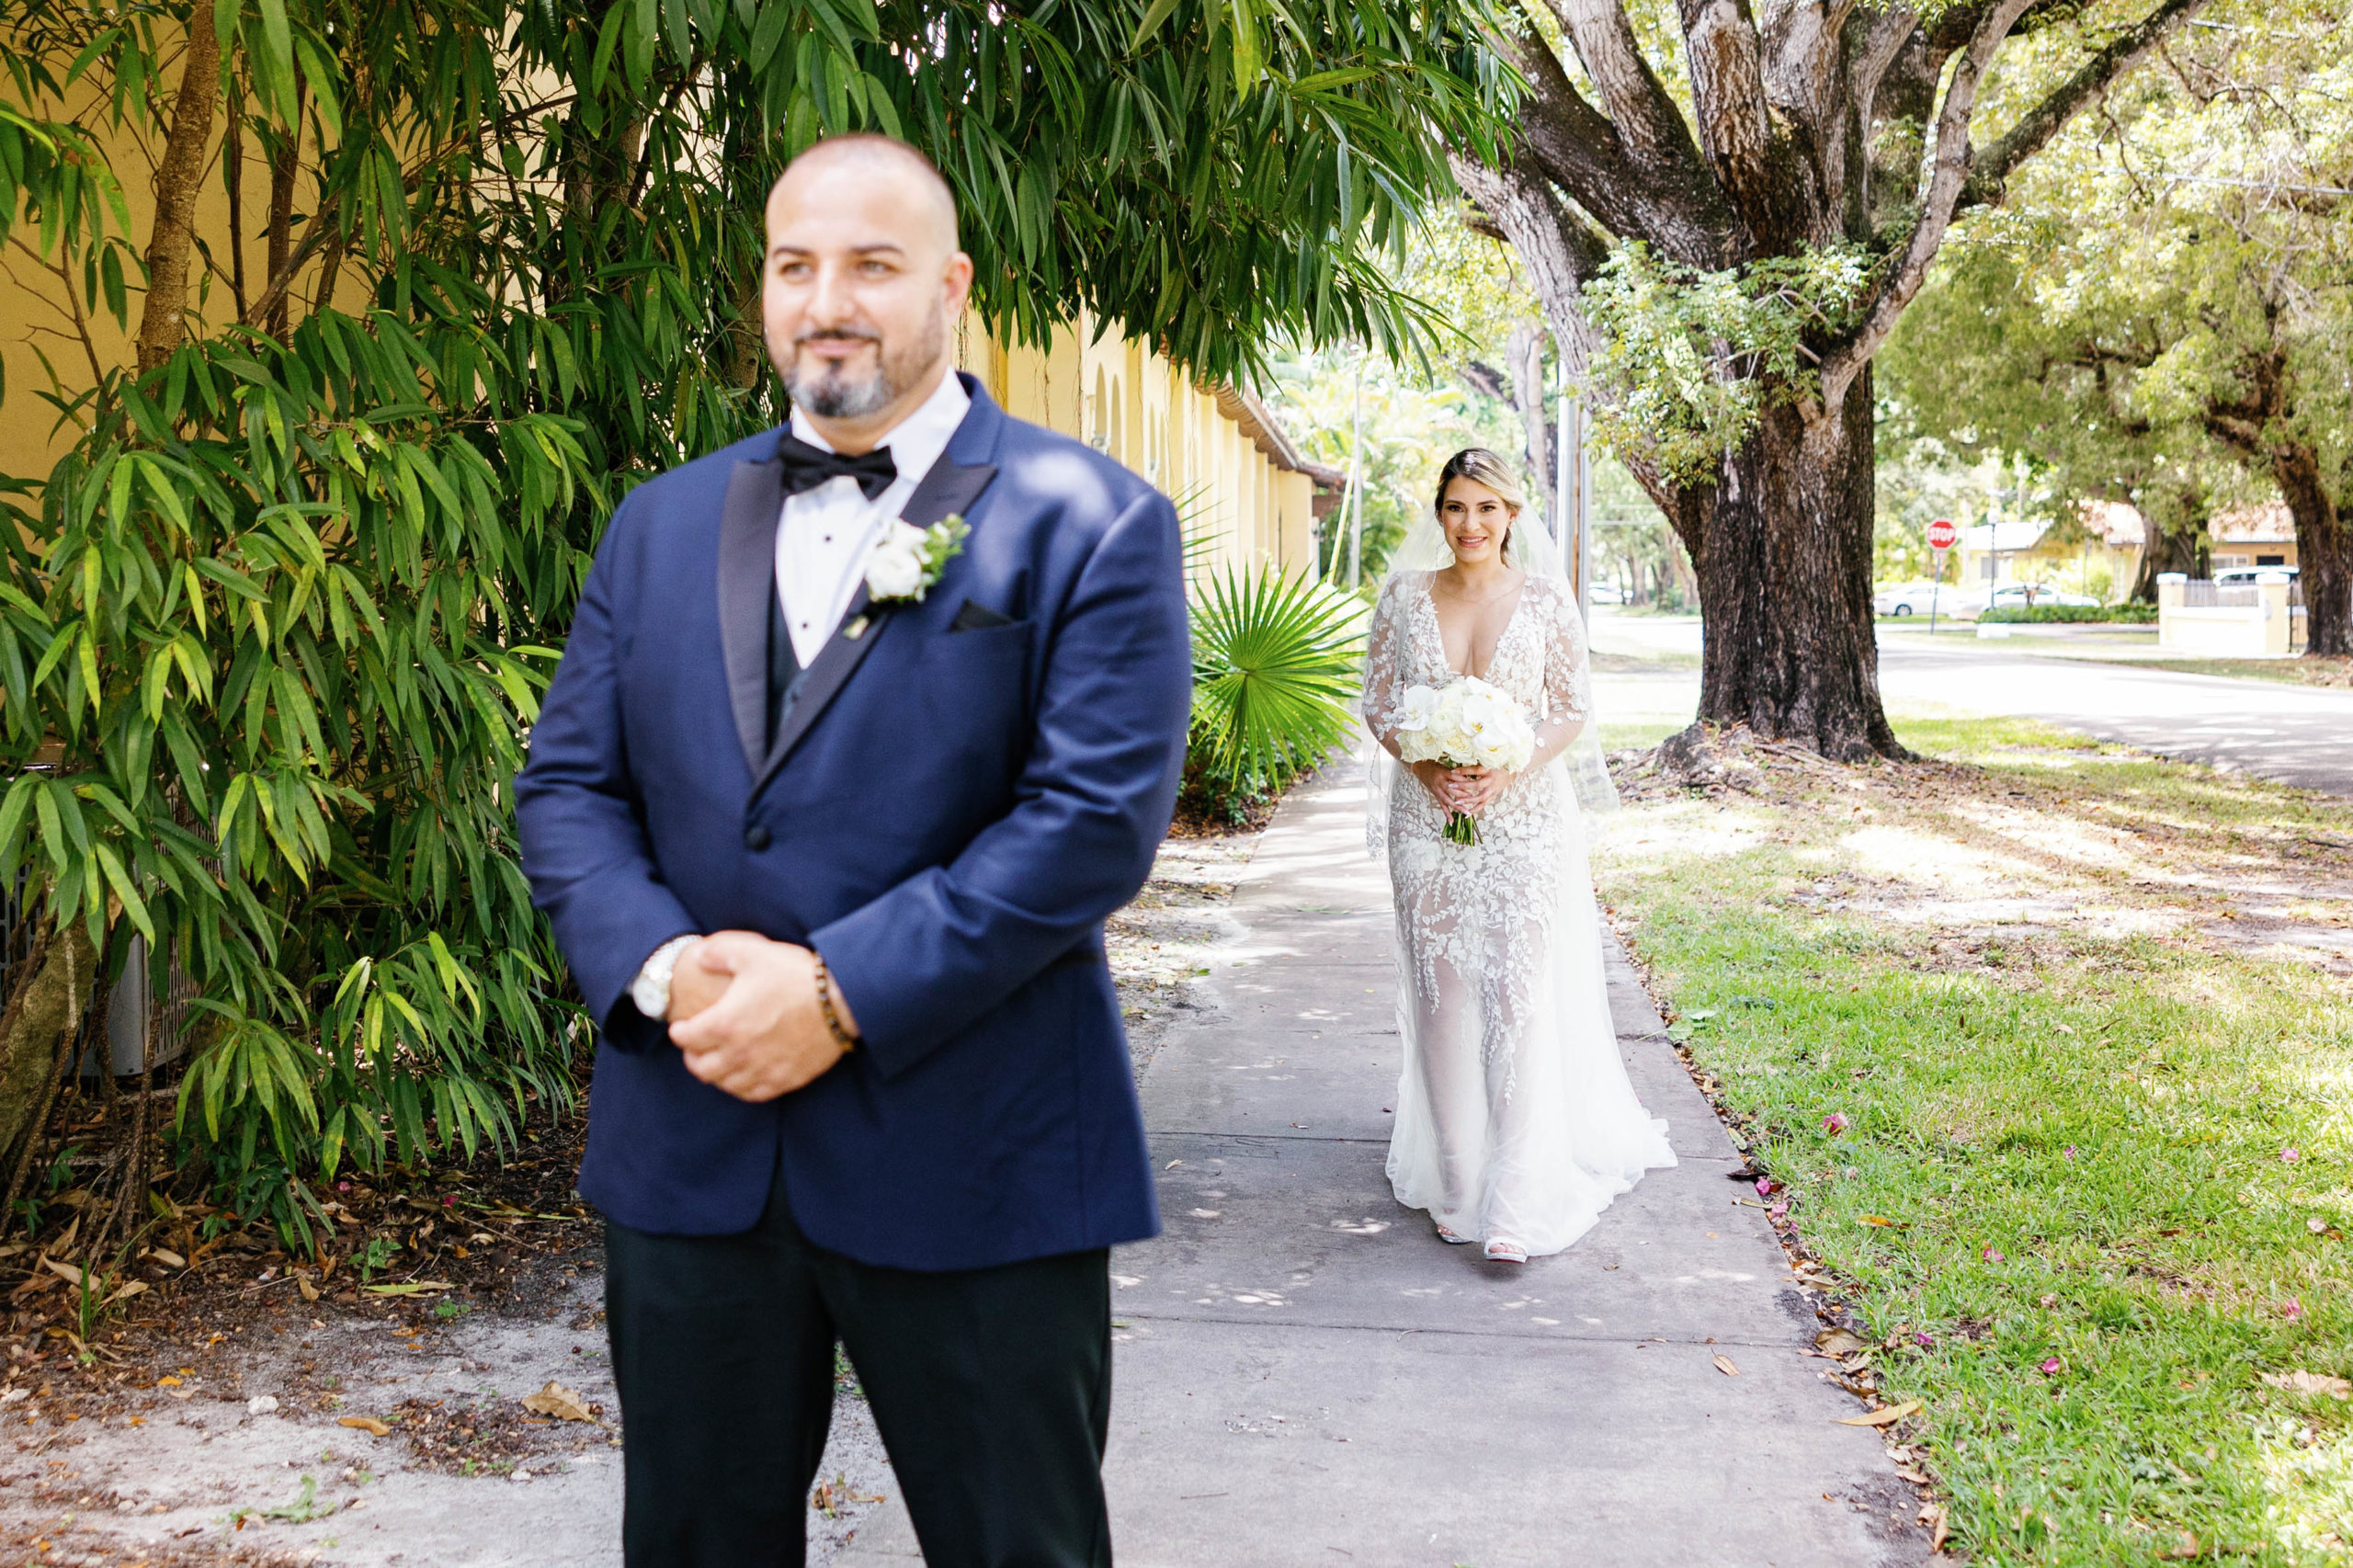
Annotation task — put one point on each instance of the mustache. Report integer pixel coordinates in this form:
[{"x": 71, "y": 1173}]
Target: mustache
[{"x": 837, "y": 334}]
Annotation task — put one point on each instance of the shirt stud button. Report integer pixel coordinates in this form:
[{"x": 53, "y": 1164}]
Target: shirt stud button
[{"x": 755, "y": 838}]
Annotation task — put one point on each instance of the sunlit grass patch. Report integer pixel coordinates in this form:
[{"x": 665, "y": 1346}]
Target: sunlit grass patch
[{"x": 2095, "y": 1182}]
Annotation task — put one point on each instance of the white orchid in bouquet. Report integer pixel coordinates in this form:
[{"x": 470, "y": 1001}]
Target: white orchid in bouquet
[{"x": 1467, "y": 723}]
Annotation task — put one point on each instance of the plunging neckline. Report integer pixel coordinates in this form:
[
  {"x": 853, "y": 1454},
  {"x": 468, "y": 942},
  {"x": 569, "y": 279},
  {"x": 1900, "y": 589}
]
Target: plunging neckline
[{"x": 1429, "y": 597}]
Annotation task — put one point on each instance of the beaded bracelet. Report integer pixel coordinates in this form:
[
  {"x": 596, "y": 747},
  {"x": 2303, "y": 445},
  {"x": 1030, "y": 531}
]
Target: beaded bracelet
[{"x": 842, "y": 1037}]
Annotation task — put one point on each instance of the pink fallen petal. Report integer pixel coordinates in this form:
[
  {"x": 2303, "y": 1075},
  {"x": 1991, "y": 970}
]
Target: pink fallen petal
[
  {"x": 1835, "y": 1122},
  {"x": 1992, "y": 1256},
  {"x": 2290, "y": 1154},
  {"x": 2291, "y": 1308},
  {"x": 2051, "y": 1368},
  {"x": 2069, "y": 1151},
  {"x": 1923, "y": 1338},
  {"x": 1764, "y": 1186},
  {"x": 1779, "y": 1212}
]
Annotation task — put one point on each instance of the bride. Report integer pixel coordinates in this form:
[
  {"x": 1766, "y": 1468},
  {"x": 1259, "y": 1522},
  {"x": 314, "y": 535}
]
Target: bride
[{"x": 1516, "y": 1124}]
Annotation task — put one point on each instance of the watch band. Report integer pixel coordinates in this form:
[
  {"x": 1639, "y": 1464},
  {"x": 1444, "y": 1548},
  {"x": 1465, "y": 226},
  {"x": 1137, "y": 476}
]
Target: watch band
[{"x": 651, "y": 989}]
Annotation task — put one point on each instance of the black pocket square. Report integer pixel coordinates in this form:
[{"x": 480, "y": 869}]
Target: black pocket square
[{"x": 977, "y": 616}]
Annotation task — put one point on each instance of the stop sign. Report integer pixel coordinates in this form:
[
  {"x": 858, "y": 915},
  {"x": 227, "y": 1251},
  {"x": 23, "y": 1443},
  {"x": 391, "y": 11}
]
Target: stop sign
[{"x": 1943, "y": 534}]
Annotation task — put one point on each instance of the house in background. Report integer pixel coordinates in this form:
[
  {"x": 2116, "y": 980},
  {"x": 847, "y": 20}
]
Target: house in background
[
  {"x": 2254, "y": 536},
  {"x": 2030, "y": 552}
]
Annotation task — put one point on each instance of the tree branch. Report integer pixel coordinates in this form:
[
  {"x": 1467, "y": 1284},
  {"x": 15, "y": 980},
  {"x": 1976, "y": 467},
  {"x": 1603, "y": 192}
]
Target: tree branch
[
  {"x": 2036, "y": 128},
  {"x": 161, "y": 322},
  {"x": 1726, "y": 61},
  {"x": 1649, "y": 130},
  {"x": 1948, "y": 173}
]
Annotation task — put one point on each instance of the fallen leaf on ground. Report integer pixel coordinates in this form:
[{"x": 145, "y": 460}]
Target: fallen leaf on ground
[
  {"x": 1885, "y": 1223},
  {"x": 2310, "y": 1382},
  {"x": 415, "y": 1287},
  {"x": 135, "y": 1287},
  {"x": 64, "y": 1271},
  {"x": 1838, "y": 1342},
  {"x": 368, "y": 1424},
  {"x": 167, "y": 1257},
  {"x": 559, "y": 1401},
  {"x": 1933, "y": 1515},
  {"x": 1723, "y": 1365},
  {"x": 302, "y": 1283},
  {"x": 1886, "y": 1415}
]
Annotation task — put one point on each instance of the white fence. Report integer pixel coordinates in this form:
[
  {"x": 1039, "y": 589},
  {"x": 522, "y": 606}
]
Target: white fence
[{"x": 2251, "y": 620}]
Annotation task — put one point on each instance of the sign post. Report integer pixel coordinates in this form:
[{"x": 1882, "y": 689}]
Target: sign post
[{"x": 1943, "y": 534}]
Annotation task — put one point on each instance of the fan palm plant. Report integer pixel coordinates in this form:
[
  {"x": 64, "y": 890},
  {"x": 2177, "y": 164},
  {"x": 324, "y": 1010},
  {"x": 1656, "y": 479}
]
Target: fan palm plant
[{"x": 1275, "y": 662}]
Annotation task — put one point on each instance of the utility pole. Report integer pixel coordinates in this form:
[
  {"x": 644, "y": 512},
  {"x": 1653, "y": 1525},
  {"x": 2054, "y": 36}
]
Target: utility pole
[
  {"x": 1575, "y": 502},
  {"x": 1355, "y": 482}
]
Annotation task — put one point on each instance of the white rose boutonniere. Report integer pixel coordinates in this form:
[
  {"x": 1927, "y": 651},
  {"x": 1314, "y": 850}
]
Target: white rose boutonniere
[{"x": 908, "y": 560}]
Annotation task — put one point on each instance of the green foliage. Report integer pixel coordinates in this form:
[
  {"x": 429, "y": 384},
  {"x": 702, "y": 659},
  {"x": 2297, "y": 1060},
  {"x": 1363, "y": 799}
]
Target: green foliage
[
  {"x": 2127, "y": 614},
  {"x": 1275, "y": 663},
  {"x": 2154, "y": 273},
  {"x": 1690, "y": 358},
  {"x": 1412, "y": 423},
  {"x": 274, "y": 626}
]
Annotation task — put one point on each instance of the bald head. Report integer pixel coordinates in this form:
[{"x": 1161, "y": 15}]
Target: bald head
[
  {"x": 862, "y": 281},
  {"x": 912, "y": 179}
]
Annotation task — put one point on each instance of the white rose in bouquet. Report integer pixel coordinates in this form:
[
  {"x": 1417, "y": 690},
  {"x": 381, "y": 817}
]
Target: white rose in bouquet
[{"x": 1468, "y": 724}]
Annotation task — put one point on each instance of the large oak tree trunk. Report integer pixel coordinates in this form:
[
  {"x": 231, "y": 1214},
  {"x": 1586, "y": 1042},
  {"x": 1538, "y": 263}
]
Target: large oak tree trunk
[
  {"x": 2324, "y": 550},
  {"x": 1784, "y": 562}
]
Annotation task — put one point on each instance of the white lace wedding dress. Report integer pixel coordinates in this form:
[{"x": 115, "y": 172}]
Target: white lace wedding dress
[{"x": 1515, "y": 1116}]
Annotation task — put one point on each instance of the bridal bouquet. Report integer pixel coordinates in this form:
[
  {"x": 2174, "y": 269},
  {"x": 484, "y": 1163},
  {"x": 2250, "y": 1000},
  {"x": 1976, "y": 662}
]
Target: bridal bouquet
[{"x": 1464, "y": 724}]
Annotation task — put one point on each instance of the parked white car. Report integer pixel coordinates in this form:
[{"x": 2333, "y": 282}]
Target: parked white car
[
  {"x": 2240, "y": 576},
  {"x": 2015, "y": 596},
  {"x": 1911, "y": 599}
]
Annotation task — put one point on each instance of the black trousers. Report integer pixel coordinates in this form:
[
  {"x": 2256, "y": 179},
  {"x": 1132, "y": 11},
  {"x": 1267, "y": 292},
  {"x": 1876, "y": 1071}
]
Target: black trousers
[{"x": 992, "y": 1387}]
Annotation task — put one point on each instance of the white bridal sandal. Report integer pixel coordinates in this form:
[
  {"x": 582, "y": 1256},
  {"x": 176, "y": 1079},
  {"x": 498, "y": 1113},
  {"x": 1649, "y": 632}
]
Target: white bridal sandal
[
  {"x": 1449, "y": 1237},
  {"x": 1503, "y": 1249}
]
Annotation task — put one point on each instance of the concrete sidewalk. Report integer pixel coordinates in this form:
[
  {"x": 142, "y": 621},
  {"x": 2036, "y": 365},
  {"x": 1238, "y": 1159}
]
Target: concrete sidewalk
[{"x": 1307, "y": 1375}]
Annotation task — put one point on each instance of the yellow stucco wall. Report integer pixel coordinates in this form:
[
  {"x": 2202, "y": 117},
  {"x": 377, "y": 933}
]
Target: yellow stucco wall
[{"x": 1127, "y": 402}]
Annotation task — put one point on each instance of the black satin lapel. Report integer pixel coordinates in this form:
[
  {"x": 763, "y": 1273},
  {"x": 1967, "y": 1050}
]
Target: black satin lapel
[
  {"x": 828, "y": 673},
  {"x": 947, "y": 488},
  {"x": 747, "y": 525}
]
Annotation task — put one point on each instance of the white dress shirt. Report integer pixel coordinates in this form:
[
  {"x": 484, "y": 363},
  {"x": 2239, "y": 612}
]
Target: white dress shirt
[{"x": 826, "y": 533}]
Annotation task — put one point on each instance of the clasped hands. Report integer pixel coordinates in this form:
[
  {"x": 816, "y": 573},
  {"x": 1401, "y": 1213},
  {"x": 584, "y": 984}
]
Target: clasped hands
[
  {"x": 1470, "y": 790},
  {"x": 743, "y": 1010}
]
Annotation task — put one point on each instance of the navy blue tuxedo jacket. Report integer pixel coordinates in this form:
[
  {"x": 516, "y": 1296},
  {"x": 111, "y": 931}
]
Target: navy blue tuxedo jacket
[{"x": 955, "y": 801}]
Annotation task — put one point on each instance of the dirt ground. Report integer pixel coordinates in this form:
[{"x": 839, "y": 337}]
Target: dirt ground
[{"x": 246, "y": 1406}]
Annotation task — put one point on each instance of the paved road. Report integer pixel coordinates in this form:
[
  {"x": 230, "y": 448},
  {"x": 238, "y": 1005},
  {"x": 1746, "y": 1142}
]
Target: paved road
[
  {"x": 2296, "y": 734},
  {"x": 1307, "y": 1376}
]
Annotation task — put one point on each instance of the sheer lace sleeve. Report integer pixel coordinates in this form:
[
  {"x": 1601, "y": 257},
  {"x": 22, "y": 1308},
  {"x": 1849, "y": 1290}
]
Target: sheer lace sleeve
[
  {"x": 1384, "y": 661},
  {"x": 1568, "y": 675}
]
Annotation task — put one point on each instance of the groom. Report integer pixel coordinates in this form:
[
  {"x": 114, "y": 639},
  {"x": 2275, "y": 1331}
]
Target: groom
[{"x": 828, "y": 830}]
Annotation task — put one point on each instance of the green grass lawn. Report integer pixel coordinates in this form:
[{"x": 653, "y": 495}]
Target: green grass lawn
[{"x": 2054, "y": 1052}]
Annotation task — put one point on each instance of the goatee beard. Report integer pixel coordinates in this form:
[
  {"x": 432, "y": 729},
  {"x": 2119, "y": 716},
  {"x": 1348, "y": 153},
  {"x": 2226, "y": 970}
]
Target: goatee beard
[{"x": 832, "y": 393}]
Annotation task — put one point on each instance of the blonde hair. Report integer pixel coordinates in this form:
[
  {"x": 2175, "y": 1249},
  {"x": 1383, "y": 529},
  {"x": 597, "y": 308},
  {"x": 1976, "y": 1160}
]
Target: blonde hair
[{"x": 1482, "y": 467}]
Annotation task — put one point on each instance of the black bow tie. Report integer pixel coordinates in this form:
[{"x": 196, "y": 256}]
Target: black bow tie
[{"x": 807, "y": 467}]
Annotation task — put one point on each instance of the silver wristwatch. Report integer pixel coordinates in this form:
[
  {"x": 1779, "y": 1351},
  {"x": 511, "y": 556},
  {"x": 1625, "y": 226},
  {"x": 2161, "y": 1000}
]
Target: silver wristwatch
[{"x": 651, "y": 989}]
